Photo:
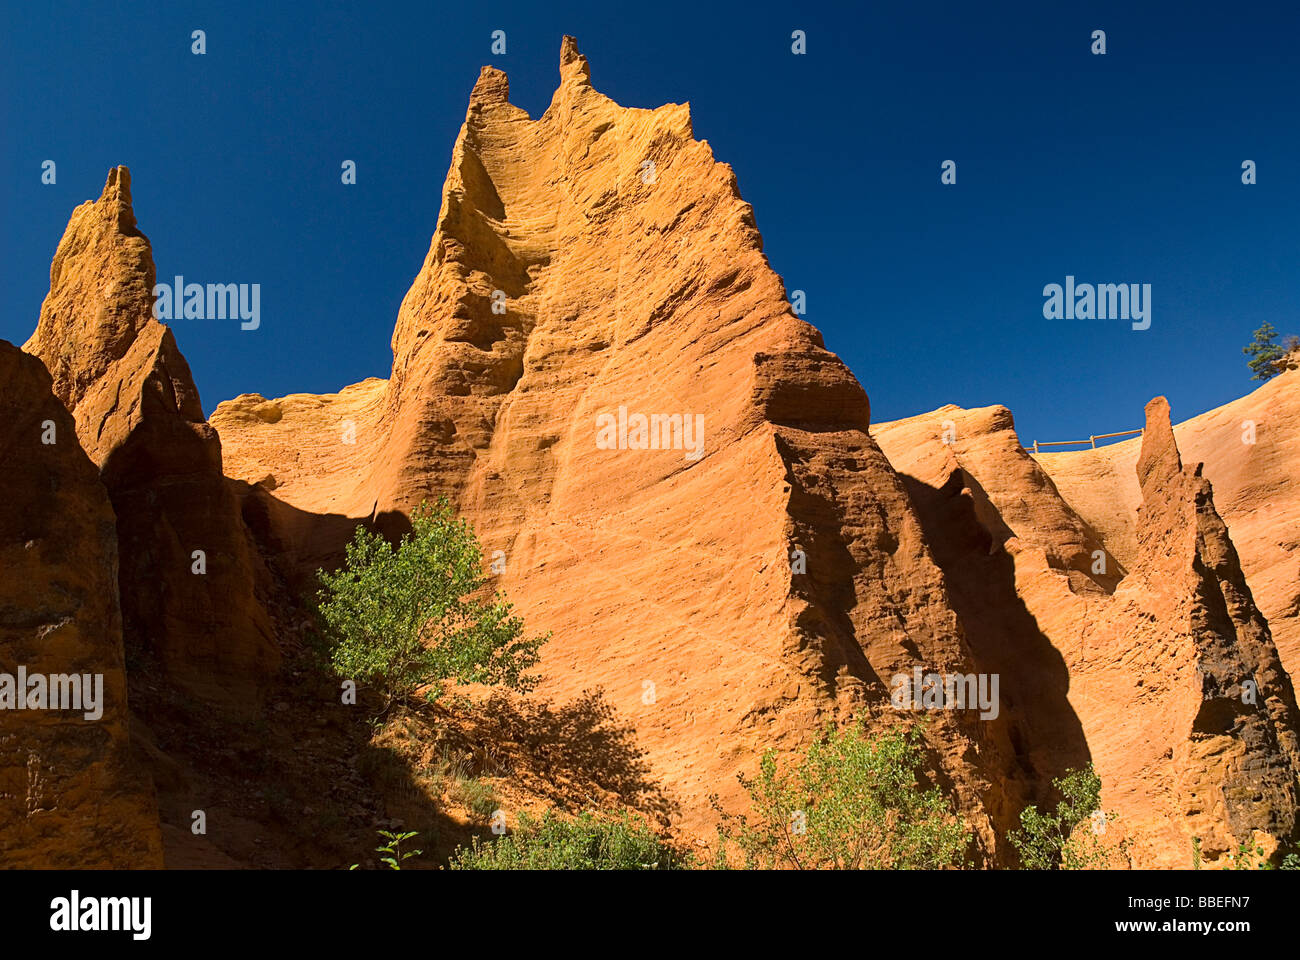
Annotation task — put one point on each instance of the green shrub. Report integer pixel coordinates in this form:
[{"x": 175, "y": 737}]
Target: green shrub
[
  {"x": 405, "y": 618},
  {"x": 394, "y": 855},
  {"x": 852, "y": 802},
  {"x": 476, "y": 796},
  {"x": 584, "y": 843},
  {"x": 1047, "y": 841}
]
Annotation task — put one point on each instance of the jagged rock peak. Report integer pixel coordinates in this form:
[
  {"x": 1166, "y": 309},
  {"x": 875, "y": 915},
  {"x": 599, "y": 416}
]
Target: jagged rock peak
[
  {"x": 492, "y": 87},
  {"x": 101, "y": 291},
  {"x": 1159, "y": 460},
  {"x": 118, "y": 185},
  {"x": 572, "y": 63}
]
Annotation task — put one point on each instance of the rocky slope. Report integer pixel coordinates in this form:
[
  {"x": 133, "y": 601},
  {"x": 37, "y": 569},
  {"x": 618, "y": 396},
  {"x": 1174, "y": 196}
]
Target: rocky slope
[{"x": 1250, "y": 448}]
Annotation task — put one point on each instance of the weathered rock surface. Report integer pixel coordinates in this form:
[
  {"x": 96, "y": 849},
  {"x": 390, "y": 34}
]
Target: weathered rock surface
[
  {"x": 1251, "y": 452},
  {"x": 139, "y": 418},
  {"x": 626, "y": 272},
  {"x": 70, "y": 794},
  {"x": 1167, "y": 679}
]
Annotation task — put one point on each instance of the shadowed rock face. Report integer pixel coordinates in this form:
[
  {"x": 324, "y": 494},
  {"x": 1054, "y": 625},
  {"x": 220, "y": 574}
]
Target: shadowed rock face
[
  {"x": 1230, "y": 714},
  {"x": 627, "y": 272},
  {"x": 139, "y": 418},
  {"x": 1251, "y": 449},
  {"x": 1167, "y": 679},
  {"x": 69, "y": 794}
]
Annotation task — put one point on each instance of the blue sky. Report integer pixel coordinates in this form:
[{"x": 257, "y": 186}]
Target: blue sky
[{"x": 1117, "y": 168}]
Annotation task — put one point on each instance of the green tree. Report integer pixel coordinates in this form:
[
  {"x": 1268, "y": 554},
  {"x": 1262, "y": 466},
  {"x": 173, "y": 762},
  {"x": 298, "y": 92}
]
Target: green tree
[
  {"x": 1051, "y": 841},
  {"x": 1264, "y": 353},
  {"x": 406, "y": 617},
  {"x": 584, "y": 843},
  {"x": 851, "y": 802}
]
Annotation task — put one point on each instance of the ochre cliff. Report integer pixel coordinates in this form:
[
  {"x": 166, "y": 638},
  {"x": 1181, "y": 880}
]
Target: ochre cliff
[
  {"x": 669, "y": 472},
  {"x": 138, "y": 416},
  {"x": 1166, "y": 679},
  {"x": 627, "y": 272},
  {"x": 70, "y": 793},
  {"x": 1251, "y": 451}
]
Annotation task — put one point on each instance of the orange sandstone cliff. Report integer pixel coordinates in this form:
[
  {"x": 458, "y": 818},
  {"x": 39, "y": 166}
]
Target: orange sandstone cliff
[
  {"x": 671, "y": 473},
  {"x": 1163, "y": 674},
  {"x": 70, "y": 793},
  {"x": 627, "y": 275}
]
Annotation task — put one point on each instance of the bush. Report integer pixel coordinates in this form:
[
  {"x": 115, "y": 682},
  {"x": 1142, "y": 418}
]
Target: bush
[
  {"x": 852, "y": 802},
  {"x": 1048, "y": 841},
  {"x": 405, "y": 618},
  {"x": 584, "y": 843}
]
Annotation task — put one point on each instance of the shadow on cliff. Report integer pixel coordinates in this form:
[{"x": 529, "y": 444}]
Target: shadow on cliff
[
  {"x": 296, "y": 543},
  {"x": 1037, "y": 727},
  {"x": 444, "y": 770},
  {"x": 448, "y": 770},
  {"x": 578, "y": 755}
]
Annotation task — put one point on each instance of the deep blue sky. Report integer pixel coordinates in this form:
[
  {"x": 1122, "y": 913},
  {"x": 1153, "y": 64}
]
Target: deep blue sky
[{"x": 1123, "y": 167}]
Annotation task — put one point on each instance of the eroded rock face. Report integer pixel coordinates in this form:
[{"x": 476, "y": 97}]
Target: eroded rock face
[
  {"x": 1250, "y": 448},
  {"x": 1230, "y": 714},
  {"x": 628, "y": 279},
  {"x": 596, "y": 264},
  {"x": 70, "y": 794},
  {"x": 139, "y": 418},
  {"x": 1166, "y": 679}
]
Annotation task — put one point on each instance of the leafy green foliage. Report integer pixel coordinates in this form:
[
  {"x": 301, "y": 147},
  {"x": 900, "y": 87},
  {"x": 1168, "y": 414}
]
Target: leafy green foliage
[
  {"x": 1051, "y": 841},
  {"x": 405, "y": 618},
  {"x": 394, "y": 856},
  {"x": 851, "y": 802},
  {"x": 584, "y": 843},
  {"x": 1264, "y": 352},
  {"x": 1248, "y": 856}
]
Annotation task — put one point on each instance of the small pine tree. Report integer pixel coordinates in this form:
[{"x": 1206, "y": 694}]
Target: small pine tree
[{"x": 1264, "y": 353}]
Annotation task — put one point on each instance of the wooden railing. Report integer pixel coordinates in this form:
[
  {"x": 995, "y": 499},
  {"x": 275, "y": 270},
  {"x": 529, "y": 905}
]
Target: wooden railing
[{"x": 1074, "y": 443}]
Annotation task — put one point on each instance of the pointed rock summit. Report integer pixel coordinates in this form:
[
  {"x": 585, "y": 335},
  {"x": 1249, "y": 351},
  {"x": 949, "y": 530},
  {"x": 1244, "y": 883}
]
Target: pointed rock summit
[
  {"x": 572, "y": 63},
  {"x": 1160, "y": 671},
  {"x": 599, "y": 366},
  {"x": 101, "y": 292},
  {"x": 139, "y": 418}
]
